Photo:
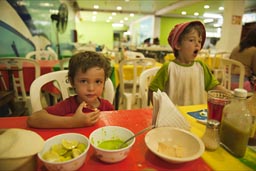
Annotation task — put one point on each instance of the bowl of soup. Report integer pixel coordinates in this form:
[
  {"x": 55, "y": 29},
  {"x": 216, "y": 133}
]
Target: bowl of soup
[{"x": 108, "y": 142}]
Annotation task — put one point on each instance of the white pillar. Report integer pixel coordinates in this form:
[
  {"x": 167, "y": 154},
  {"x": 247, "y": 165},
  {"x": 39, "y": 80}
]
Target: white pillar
[{"x": 231, "y": 28}]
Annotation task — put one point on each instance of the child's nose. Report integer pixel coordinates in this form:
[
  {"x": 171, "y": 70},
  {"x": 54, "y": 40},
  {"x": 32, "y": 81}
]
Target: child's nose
[{"x": 91, "y": 86}]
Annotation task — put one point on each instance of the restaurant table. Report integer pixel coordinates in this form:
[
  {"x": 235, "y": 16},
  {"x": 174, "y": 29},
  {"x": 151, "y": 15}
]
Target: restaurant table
[{"x": 139, "y": 158}]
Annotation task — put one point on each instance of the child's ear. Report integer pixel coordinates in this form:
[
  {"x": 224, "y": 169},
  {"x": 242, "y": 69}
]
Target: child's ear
[{"x": 177, "y": 46}]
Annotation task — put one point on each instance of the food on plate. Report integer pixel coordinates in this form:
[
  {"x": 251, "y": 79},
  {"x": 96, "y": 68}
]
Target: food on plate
[
  {"x": 67, "y": 150},
  {"x": 169, "y": 149}
]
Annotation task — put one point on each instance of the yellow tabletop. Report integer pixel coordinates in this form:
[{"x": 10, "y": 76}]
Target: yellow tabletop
[
  {"x": 219, "y": 159},
  {"x": 128, "y": 70}
]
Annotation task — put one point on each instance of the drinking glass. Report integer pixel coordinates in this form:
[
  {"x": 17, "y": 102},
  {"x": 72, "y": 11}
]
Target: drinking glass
[{"x": 216, "y": 101}]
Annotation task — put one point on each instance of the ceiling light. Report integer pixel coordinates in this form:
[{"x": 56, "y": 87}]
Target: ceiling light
[
  {"x": 94, "y": 12},
  {"x": 208, "y": 20},
  {"x": 121, "y": 21},
  {"x": 108, "y": 21},
  {"x": 113, "y": 13},
  {"x": 184, "y": 13},
  {"x": 126, "y": 0},
  {"x": 216, "y": 25},
  {"x": 96, "y": 6},
  {"x": 206, "y": 6},
  {"x": 221, "y": 8},
  {"x": 117, "y": 25},
  {"x": 211, "y": 15},
  {"x": 126, "y": 18},
  {"x": 196, "y": 14},
  {"x": 131, "y": 15},
  {"x": 119, "y": 8},
  {"x": 110, "y": 17}
]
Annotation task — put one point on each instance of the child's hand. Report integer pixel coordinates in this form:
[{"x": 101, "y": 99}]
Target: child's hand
[{"x": 81, "y": 119}]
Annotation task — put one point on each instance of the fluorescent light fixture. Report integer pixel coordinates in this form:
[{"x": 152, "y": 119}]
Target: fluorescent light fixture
[
  {"x": 211, "y": 15},
  {"x": 131, "y": 15},
  {"x": 94, "y": 12},
  {"x": 221, "y": 8},
  {"x": 121, "y": 21},
  {"x": 119, "y": 8},
  {"x": 96, "y": 6},
  {"x": 117, "y": 25},
  {"x": 208, "y": 20},
  {"x": 184, "y": 13},
  {"x": 206, "y": 7},
  {"x": 125, "y": 18},
  {"x": 110, "y": 17},
  {"x": 113, "y": 13},
  {"x": 216, "y": 25},
  {"x": 196, "y": 14}
]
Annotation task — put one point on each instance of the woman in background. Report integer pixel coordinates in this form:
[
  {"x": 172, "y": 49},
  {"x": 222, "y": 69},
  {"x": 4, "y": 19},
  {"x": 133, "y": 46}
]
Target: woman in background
[{"x": 245, "y": 53}]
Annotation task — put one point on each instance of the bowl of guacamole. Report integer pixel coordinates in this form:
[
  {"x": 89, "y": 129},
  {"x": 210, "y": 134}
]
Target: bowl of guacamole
[{"x": 107, "y": 140}]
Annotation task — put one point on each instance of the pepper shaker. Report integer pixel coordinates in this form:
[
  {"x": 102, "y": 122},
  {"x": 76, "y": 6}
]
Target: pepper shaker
[{"x": 211, "y": 137}]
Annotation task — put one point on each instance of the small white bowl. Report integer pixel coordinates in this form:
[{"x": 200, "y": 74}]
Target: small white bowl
[
  {"x": 70, "y": 165},
  {"x": 111, "y": 133},
  {"x": 190, "y": 146}
]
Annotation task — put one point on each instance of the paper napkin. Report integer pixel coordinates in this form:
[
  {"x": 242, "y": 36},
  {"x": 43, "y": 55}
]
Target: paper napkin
[{"x": 165, "y": 113}]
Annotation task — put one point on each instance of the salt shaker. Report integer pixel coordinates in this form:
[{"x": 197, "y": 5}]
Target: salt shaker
[{"x": 211, "y": 136}]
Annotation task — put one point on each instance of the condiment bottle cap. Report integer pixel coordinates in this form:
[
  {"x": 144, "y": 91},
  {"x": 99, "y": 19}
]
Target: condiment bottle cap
[
  {"x": 211, "y": 123},
  {"x": 239, "y": 92}
]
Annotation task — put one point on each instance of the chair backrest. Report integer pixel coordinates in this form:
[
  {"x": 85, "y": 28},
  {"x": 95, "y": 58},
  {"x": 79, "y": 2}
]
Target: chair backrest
[
  {"x": 42, "y": 55},
  {"x": 144, "y": 81},
  {"x": 61, "y": 79},
  {"x": 224, "y": 72},
  {"x": 15, "y": 64},
  {"x": 64, "y": 63},
  {"x": 131, "y": 54},
  {"x": 129, "y": 72}
]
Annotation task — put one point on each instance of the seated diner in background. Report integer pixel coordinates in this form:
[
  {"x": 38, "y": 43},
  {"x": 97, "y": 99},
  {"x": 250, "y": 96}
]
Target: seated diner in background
[
  {"x": 87, "y": 73},
  {"x": 245, "y": 53},
  {"x": 185, "y": 79}
]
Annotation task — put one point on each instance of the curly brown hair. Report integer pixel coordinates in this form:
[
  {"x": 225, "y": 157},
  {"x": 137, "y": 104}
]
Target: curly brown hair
[{"x": 85, "y": 60}]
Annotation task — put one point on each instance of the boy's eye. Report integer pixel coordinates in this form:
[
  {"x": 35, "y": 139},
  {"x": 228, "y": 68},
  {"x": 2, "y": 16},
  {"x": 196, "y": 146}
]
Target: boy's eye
[
  {"x": 99, "y": 82},
  {"x": 83, "y": 81}
]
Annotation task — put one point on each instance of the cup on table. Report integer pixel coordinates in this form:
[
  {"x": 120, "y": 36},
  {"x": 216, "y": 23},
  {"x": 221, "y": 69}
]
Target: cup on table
[{"x": 216, "y": 101}]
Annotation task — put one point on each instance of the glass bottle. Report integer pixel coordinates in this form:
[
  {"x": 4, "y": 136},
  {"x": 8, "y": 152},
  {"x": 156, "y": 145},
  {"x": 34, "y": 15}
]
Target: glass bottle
[
  {"x": 211, "y": 136},
  {"x": 251, "y": 104},
  {"x": 236, "y": 124}
]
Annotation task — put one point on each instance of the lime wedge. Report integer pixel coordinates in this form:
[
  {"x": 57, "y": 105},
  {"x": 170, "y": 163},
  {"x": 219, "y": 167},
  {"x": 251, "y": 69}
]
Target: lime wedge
[
  {"x": 68, "y": 144},
  {"x": 58, "y": 148},
  {"x": 81, "y": 147},
  {"x": 76, "y": 152},
  {"x": 51, "y": 156}
]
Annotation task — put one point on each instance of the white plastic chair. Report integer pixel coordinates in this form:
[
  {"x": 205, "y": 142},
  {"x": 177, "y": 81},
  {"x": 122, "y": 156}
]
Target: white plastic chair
[
  {"x": 129, "y": 87},
  {"x": 16, "y": 65},
  {"x": 61, "y": 77},
  {"x": 131, "y": 54},
  {"x": 42, "y": 55},
  {"x": 224, "y": 72},
  {"x": 144, "y": 81}
]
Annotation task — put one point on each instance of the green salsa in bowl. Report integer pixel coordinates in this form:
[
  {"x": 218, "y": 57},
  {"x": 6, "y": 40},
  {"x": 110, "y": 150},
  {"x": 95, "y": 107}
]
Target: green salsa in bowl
[{"x": 106, "y": 142}]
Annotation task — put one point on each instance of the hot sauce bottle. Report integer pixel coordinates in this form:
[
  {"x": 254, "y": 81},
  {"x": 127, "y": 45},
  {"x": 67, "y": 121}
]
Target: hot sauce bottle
[{"x": 236, "y": 124}]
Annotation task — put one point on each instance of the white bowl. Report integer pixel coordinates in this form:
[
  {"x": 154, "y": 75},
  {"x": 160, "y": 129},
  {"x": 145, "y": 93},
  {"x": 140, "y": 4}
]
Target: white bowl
[
  {"x": 187, "y": 145},
  {"x": 111, "y": 133},
  {"x": 70, "y": 165},
  {"x": 18, "y": 149}
]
